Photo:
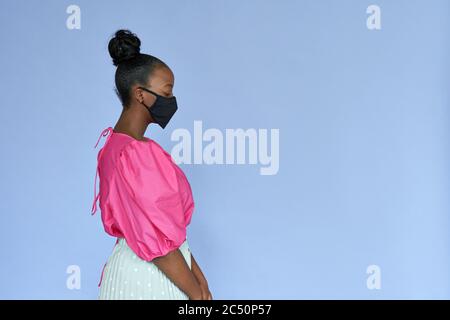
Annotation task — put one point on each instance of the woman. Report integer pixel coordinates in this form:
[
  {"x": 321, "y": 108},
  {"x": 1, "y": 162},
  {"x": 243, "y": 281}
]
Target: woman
[{"x": 145, "y": 199}]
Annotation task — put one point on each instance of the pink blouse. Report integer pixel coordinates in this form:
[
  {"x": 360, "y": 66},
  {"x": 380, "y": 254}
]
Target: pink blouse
[{"x": 144, "y": 195}]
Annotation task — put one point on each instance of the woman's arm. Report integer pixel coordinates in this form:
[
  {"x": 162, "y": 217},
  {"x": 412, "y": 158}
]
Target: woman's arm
[
  {"x": 197, "y": 271},
  {"x": 206, "y": 294},
  {"x": 176, "y": 268}
]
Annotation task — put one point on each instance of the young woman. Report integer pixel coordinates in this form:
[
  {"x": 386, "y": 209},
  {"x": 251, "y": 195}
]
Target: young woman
[{"x": 145, "y": 199}]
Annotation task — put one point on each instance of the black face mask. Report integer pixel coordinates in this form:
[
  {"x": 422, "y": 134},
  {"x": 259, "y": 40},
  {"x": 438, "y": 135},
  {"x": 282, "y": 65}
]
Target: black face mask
[{"x": 163, "y": 109}]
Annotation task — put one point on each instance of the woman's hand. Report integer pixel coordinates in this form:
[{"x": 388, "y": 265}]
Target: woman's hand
[
  {"x": 199, "y": 297},
  {"x": 206, "y": 294}
]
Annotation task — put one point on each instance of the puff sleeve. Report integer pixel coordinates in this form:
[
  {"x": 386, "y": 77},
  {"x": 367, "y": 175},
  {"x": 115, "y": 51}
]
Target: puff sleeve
[{"x": 147, "y": 201}]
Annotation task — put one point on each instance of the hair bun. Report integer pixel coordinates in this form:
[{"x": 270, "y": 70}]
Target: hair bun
[{"x": 123, "y": 46}]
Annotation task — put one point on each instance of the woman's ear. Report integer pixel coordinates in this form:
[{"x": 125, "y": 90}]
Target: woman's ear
[{"x": 137, "y": 94}]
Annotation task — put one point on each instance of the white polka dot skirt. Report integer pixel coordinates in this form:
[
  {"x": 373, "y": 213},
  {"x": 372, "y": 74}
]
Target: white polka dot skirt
[{"x": 126, "y": 276}]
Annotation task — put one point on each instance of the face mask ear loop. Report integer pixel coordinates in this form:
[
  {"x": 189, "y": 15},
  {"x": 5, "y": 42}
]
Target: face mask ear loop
[
  {"x": 152, "y": 92},
  {"x": 145, "y": 89}
]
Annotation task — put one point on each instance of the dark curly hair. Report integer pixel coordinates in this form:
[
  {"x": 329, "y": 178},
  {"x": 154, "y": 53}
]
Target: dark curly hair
[{"x": 133, "y": 67}]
